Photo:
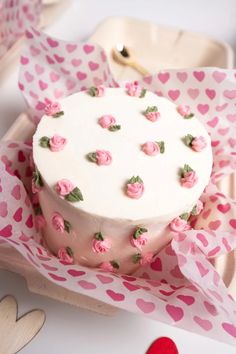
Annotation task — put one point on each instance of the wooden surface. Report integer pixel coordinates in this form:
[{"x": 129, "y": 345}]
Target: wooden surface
[{"x": 15, "y": 332}]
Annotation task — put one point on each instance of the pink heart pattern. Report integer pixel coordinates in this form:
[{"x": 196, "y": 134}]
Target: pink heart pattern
[
  {"x": 16, "y": 16},
  {"x": 180, "y": 283},
  {"x": 49, "y": 60}
]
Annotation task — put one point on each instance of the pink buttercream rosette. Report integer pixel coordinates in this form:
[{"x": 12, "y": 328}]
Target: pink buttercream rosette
[
  {"x": 181, "y": 286},
  {"x": 15, "y": 17}
]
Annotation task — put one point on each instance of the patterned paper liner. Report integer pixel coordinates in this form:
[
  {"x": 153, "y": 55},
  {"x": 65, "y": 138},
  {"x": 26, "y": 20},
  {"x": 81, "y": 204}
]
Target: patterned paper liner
[
  {"x": 15, "y": 17},
  {"x": 180, "y": 287}
]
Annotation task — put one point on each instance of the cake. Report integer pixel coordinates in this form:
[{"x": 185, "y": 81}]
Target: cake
[{"x": 118, "y": 172}]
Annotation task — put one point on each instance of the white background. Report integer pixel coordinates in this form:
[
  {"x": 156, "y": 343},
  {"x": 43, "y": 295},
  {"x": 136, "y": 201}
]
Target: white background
[{"x": 68, "y": 329}]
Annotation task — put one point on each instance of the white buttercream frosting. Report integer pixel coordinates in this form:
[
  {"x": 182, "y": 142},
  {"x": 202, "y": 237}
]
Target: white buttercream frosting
[{"x": 103, "y": 187}]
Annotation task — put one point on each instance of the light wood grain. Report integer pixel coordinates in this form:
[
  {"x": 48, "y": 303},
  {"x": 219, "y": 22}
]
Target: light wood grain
[{"x": 15, "y": 332}]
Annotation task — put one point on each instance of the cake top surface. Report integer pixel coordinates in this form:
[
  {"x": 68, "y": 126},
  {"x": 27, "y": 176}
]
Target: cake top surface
[{"x": 105, "y": 179}]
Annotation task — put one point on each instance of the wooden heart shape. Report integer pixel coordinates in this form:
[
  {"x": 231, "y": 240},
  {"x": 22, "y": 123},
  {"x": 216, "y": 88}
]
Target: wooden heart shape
[
  {"x": 16, "y": 333},
  {"x": 163, "y": 345}
]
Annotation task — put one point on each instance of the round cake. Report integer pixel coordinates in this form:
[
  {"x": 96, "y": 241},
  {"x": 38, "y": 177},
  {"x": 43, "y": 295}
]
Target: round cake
[{"x": 118, "y": 171}]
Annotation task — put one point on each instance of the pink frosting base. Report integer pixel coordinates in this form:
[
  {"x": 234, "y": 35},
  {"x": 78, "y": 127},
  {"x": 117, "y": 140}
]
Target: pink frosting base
[{"x": 85, "y": 225}]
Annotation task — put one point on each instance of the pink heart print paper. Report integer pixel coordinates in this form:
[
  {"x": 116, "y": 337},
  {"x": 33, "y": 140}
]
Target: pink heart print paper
[
  {"x": 15, "y": 17},
  {"x": 180, "y": 287}
]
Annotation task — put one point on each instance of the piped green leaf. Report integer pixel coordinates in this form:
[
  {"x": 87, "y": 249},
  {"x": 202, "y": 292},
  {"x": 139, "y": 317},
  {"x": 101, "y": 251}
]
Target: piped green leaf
[
  {"x": 69, "y": 251},
  {"x": 135, "y": 180},
  {"x": 114, "y": 128},
  {"x": 92, "y": 91},
  {"x": 115, "y": 264},
  {"x": 74, "y": 196},
  {"x": 161, "y": 146},
  {"x": 67, "y": 226},
  {"x": 189, "y": 116},
  {"x": 92, "y": 157},
  {"x": 138, "y": 232},
  {"x": 184, "y": 216},
  {"x": 136, "y": 258},
  {"x": 99, "y": 236},
  {"x": 44, "y": 142},
  {"x": 143, "y": 93},
  {"x": 58, "y": 114},
  {"x": 37, "y": 179},
  {"x": 188, "y": 139},
  {"x": 194, "y": 210},
  {"x": 185, "y": 170},
  {"x": 151, "y": 109}
]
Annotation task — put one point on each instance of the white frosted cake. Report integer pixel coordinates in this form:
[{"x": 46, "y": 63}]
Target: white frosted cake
[{"x": 118, "y": 171}]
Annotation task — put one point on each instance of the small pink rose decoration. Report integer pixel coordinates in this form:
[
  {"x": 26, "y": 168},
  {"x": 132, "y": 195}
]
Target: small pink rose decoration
[
  {"x": 152, "y": 148},
  {"x": 142, "y": 259},
  {"x": 53, "y": 109},
  {"x": 65, "y": 255},
  {"x": 111, "y": 266},
  {"x": 37, "y": 182},
  {"x": 97, "y": 91},
  {"x": 58, "y": 222},
  {"x": 152, "y": 113},
  {"x": 106, "y": 121},
  {"x": 100, "y": 157},
  {"x": 64, "y": 187},
  {"x": 139, "y": 237},
  {"x": 184, "y": 111},
  {"x": 40, "y": 222},
  {"x": 197, "y": 209},
  {"x": 135, "y": 188},
  {"x": 196, "y": 143},
  {"x": 101, "y": 244},
  {"x": 178, "y": 224},
  {"x": 134, "y": 90},
  {"x": 55, "y": 143},
  {"x": 146, "y": 258},
  {"x": 188, "y": 177}
]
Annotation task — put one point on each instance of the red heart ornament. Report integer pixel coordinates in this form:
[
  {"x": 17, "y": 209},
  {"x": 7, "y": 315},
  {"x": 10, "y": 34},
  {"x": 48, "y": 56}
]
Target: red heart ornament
[{"x": 163, "y": 345}]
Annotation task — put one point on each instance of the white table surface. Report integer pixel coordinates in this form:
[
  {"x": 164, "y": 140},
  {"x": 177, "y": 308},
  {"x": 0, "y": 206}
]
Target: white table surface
[{"x": 69, "y": 329}]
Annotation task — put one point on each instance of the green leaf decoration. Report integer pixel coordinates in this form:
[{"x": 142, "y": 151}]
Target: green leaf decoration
[
  {"x": 185, "y": 170},
  {"x": 74, "y": 196},
  {"x": 136, "y": 258},
  {"x": 58, "y": 114},
  {"x": 44, "y": 142},
  {"x": 92, "y": 157},
  {"x": 37, "y": 179},
  {"x": 69, "y": 251},
  {"x": 161, "y": 146},
  {"x": 67, "y": 226},
  {"x": 38, "y": 210},
  {"x": 92, "y": 91},
  {"x": 99, "y": 236},
  {"x": 135, "y": 179},
  {"x": 194, "y": 210},
  {"x": 138, "y": 232},
  {"x": 184, "y": 216},
  {"x": 114, "y": 128},
  {"x": 188, "y": 139},
  {"x": 143, "y": 93},
  {"x": 151, "y": 109},
  {"x": 115, "y": 264},
  {"x": 189, "y": 116}
]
